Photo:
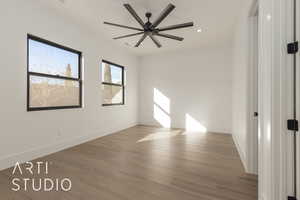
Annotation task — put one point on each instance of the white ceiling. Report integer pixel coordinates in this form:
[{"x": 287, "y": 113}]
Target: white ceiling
[{"x": 216, "y": 18}]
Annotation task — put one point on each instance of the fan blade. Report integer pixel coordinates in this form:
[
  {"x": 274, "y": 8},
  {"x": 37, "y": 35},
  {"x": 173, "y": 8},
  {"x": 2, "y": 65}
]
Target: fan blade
[
  {"x": 163, "y": 15},
  {"x": 155, "y": 41},
  {"x": 125, "y": 36},
  {"x": 141, "y": 40},
  {"x": 122, "y": 26},
  {"x": 134, "y": 14},
  {"x": 177, "y": 26},
  {"x": 170, "y": 36}
]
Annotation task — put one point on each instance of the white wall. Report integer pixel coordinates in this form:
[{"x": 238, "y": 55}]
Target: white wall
[
  {"x": 240, "y": 86},
  {"x": 243, "y": 105},
  {"x": 196, "y": 82},
  {"x": 26, "y": 135}
]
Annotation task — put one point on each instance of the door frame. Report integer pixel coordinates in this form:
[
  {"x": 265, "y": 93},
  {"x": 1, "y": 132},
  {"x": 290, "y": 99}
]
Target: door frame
[
  {"x": 290, "y": 102},
  {"x": 298, "y": 100},
  {"x": 273, "y": 99}
]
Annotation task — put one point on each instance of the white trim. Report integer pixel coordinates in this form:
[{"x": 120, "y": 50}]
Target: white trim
[
  {"x": 272, "y": 94},
  {"x": 9, "y": 161},
  {"x": 288, "y": 72},
  {"x": 298, "y": 99},
  {"x": 265, "y": 100}
]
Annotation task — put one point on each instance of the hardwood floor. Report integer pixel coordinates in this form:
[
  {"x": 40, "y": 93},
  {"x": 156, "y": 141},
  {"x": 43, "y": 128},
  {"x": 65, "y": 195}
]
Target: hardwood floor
[{"x": 143, "y": 163}]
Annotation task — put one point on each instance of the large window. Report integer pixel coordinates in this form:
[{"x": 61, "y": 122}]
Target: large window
[
  {"x": 54, "y": 76},
  {"x": 112, "y": 84}
]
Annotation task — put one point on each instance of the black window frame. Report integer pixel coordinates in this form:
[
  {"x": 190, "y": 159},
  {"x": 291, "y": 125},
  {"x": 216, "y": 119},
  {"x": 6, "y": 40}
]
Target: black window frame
[
  {"x": 114, "y": 84},
  {"x": 29, "y": 73}
]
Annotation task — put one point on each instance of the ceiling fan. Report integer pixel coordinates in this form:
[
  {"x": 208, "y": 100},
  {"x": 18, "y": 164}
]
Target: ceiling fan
[{"x": 151, "y": 29}]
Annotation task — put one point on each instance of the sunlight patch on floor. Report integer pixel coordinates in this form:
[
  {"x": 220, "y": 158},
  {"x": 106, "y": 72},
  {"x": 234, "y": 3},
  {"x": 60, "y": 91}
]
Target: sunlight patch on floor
[{"x": 160, "y": 136}]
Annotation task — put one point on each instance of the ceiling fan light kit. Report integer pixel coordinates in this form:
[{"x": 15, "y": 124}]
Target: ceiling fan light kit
[{"x": 149, "y": 29}]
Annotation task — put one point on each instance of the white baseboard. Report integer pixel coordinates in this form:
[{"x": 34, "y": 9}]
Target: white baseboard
[
  {"x": 9, "y": 161},
  {"x": 241, "y": 153}
]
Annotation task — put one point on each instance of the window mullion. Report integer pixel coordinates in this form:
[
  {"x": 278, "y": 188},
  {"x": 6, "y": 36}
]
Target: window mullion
[
  {"x": 114, "y": 84},
  {"x": 53, "y": 76}
]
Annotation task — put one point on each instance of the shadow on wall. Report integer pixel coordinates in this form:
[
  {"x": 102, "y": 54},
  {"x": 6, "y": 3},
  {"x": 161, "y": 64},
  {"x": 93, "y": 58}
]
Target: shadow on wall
[{"x": 162, "y": 113}]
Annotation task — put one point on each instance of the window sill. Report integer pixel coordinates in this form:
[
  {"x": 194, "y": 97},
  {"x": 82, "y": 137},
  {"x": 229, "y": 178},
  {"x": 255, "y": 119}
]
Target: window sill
[
  {"x": 53, "y": 108},
  {"x": 115, "y": 104}
]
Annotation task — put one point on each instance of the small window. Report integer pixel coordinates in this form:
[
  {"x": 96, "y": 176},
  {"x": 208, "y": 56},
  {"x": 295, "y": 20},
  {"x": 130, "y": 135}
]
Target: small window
[
  {"x": 54, "y": 76},
  {"x": 112, "y": 84}
]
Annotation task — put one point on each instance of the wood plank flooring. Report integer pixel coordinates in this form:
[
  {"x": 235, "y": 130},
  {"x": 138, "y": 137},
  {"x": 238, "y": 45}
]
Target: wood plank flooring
[{"x": 144, "y": 163}]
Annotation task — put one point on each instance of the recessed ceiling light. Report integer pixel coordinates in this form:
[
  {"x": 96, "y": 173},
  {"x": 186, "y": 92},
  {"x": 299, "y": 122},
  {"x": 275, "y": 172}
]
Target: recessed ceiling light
[{"x": 199, "y": 30}]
